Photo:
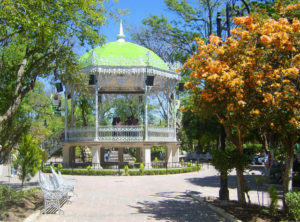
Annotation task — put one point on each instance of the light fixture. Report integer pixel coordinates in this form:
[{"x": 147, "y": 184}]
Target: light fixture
[
  {"x": 59, "y": 87},
  {"x": 92, "y": 80},
  {"x": 181, "y": 86},
  {"x": 149, "y": 80}
]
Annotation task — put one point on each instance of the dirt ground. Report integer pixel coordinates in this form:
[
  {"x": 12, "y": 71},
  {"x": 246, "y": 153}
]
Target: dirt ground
[
  {"x": 249, "y": 213},
  {"x": 18, "y": 211}
]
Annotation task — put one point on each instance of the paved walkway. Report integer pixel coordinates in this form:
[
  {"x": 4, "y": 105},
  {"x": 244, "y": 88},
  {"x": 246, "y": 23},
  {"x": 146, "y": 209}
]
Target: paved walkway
[{"x": 147, "y": 198}]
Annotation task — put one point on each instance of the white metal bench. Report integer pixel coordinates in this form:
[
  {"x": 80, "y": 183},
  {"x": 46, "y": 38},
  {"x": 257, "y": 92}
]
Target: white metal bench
[{"x": 56, "y": 191}]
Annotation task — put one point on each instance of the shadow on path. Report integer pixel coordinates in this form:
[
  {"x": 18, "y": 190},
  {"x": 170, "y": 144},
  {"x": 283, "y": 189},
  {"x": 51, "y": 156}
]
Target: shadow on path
[
  {"x": 176, "y": 207},
  {"x": 214, "y": 181}
]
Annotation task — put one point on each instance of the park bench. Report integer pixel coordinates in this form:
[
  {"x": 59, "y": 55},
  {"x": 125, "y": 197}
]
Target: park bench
[{"x": 56, "y": 191}]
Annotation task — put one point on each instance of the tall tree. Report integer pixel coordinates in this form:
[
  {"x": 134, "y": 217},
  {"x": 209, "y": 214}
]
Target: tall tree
[
  {"x": 252, "y": 79},
  {"x": 36, "y": 41}
]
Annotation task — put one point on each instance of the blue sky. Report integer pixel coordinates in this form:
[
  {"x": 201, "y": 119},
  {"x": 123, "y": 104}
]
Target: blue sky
[{"x": 138, "y": 9}]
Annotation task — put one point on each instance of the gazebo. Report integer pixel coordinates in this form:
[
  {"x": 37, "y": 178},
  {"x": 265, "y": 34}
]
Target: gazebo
[{"x": 124, "y": 68}]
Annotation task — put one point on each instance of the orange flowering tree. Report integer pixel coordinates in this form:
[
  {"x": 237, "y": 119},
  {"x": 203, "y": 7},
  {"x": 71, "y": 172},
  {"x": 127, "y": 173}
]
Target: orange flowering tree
[{"x": 251, "y": 80}]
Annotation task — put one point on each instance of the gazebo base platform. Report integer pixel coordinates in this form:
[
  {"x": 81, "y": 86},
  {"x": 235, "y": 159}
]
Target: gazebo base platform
[{"x": 143, "y": 150}]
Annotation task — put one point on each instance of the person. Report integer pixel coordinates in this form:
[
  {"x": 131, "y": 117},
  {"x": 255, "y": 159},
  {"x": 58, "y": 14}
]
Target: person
[
  {"x": 13, "y": 162},
  {"x": 1, "y": 160}
]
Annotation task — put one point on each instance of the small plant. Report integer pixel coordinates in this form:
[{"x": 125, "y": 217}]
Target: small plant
[
  {"x": 89, "y": 168},
  {"x": 142, "y": 169},
  {"x": 190, "y": 164},
  {"x": 274, "y": 199},
  {"x": 156, "y": 162},
  {"x": 134, "y": 159},
  {"x": 126, "y": 170},
  {"x": 260, "y": 181},
  {"x": 292, "y": 200},
  {"x": 59, "y": 166},
  {"x": 182, "y": 161}
]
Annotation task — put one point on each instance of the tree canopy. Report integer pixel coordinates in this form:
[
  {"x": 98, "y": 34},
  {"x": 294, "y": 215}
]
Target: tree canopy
[
  {"x": 251, "y": 79},
  {"x": 36, "y": 40}
]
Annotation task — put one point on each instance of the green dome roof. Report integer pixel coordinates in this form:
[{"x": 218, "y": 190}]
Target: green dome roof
[{"x": 122, "y": 53}]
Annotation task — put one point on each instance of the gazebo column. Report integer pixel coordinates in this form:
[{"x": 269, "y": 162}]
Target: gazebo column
[
  {"x": 138, "y": 155},
  {"x": 168, "y": 110},
  {"x": 96, "y": 109},
  {"x": 175, "y": 153},
  {"x": 66, "y": 112},
  {"x": 175, "y": 110},
  {"x": 146, "y": 114},
  {"x": 102, "y": 152},
  {"x": 169, "y": 153},
  {"x": 72, "y": 107},
  {"x": 147, "y": 156},
  {"x": 121, "y": 155},
  {"x": 67, "y": 156},
  {"x": 96, "y": 157}
]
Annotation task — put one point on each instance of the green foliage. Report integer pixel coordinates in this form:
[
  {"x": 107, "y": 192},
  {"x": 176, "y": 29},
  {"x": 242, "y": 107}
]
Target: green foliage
[
  {"x": 201, "y": 128},
  {"x": 59, "y": 166},
  {"x": 292, "y": 200},
  {"x": 130, "y": 172},
  {"x": 29, "y": 158},
  {"x": 142, "y": 169},
  {"x": 44, "y": 155},
  {"x": 190, "y": 164},
  {"x": 274, "y": 199},
  {"x": 89, "y": 168},
  {"x": 126, "y": 169},
  {"x": 36, "y": 40},
  {"x": 224, "y": 161},
  {"x": 85, "y": 172},
  {"x": 156, "y": 151}
]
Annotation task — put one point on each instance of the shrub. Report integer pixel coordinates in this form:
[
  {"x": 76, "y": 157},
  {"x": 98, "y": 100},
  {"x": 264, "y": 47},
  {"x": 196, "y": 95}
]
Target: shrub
[
  {"x": 126, "y": 169},
  {"x": 59, "y": 166},
  {"x": 28, "y": 159},
  {"x": 274, "y": 199},
  {"x": 292, "y": 199},
  {"x": 142, "y": 168},
  {"x": 130, "y": 172}
]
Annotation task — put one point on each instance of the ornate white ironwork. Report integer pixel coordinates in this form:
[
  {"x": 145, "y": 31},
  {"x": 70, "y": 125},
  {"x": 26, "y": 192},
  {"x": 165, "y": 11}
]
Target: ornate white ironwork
[
  {"x": 130, "y": 70},
  {"x": 161, "y": 134},
  {"x": 121, "y": 134}
]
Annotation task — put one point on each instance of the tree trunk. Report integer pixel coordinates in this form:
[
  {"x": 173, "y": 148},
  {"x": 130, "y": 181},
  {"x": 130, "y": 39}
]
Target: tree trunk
[
  {"x": 240, "y": 171},
  {"x": 288, "y": 169},
  {"x": 238, "y": 142},
  {"x": 223, "y": 192}
]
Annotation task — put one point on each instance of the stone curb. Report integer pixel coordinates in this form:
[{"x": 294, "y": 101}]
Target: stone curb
[
  {"x": 32, "y": 217},
  {"x": 218, "y": 210}
]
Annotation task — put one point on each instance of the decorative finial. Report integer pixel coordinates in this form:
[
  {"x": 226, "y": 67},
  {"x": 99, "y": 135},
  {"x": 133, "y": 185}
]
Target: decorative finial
[{"x": 121, "y": 36}]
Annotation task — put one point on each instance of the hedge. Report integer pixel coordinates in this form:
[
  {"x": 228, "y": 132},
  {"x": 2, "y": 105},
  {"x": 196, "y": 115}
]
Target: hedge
[{"x": 121, "y": 172}]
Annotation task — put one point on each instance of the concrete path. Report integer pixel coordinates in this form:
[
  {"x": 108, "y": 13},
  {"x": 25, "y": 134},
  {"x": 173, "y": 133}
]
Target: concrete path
[{"x": 147, "y": 198}]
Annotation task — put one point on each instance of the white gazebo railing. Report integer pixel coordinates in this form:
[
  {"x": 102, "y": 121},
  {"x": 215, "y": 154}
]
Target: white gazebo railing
[
  {"x": 120, "y": 134},
  {"x": 161, "y": 134}
]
